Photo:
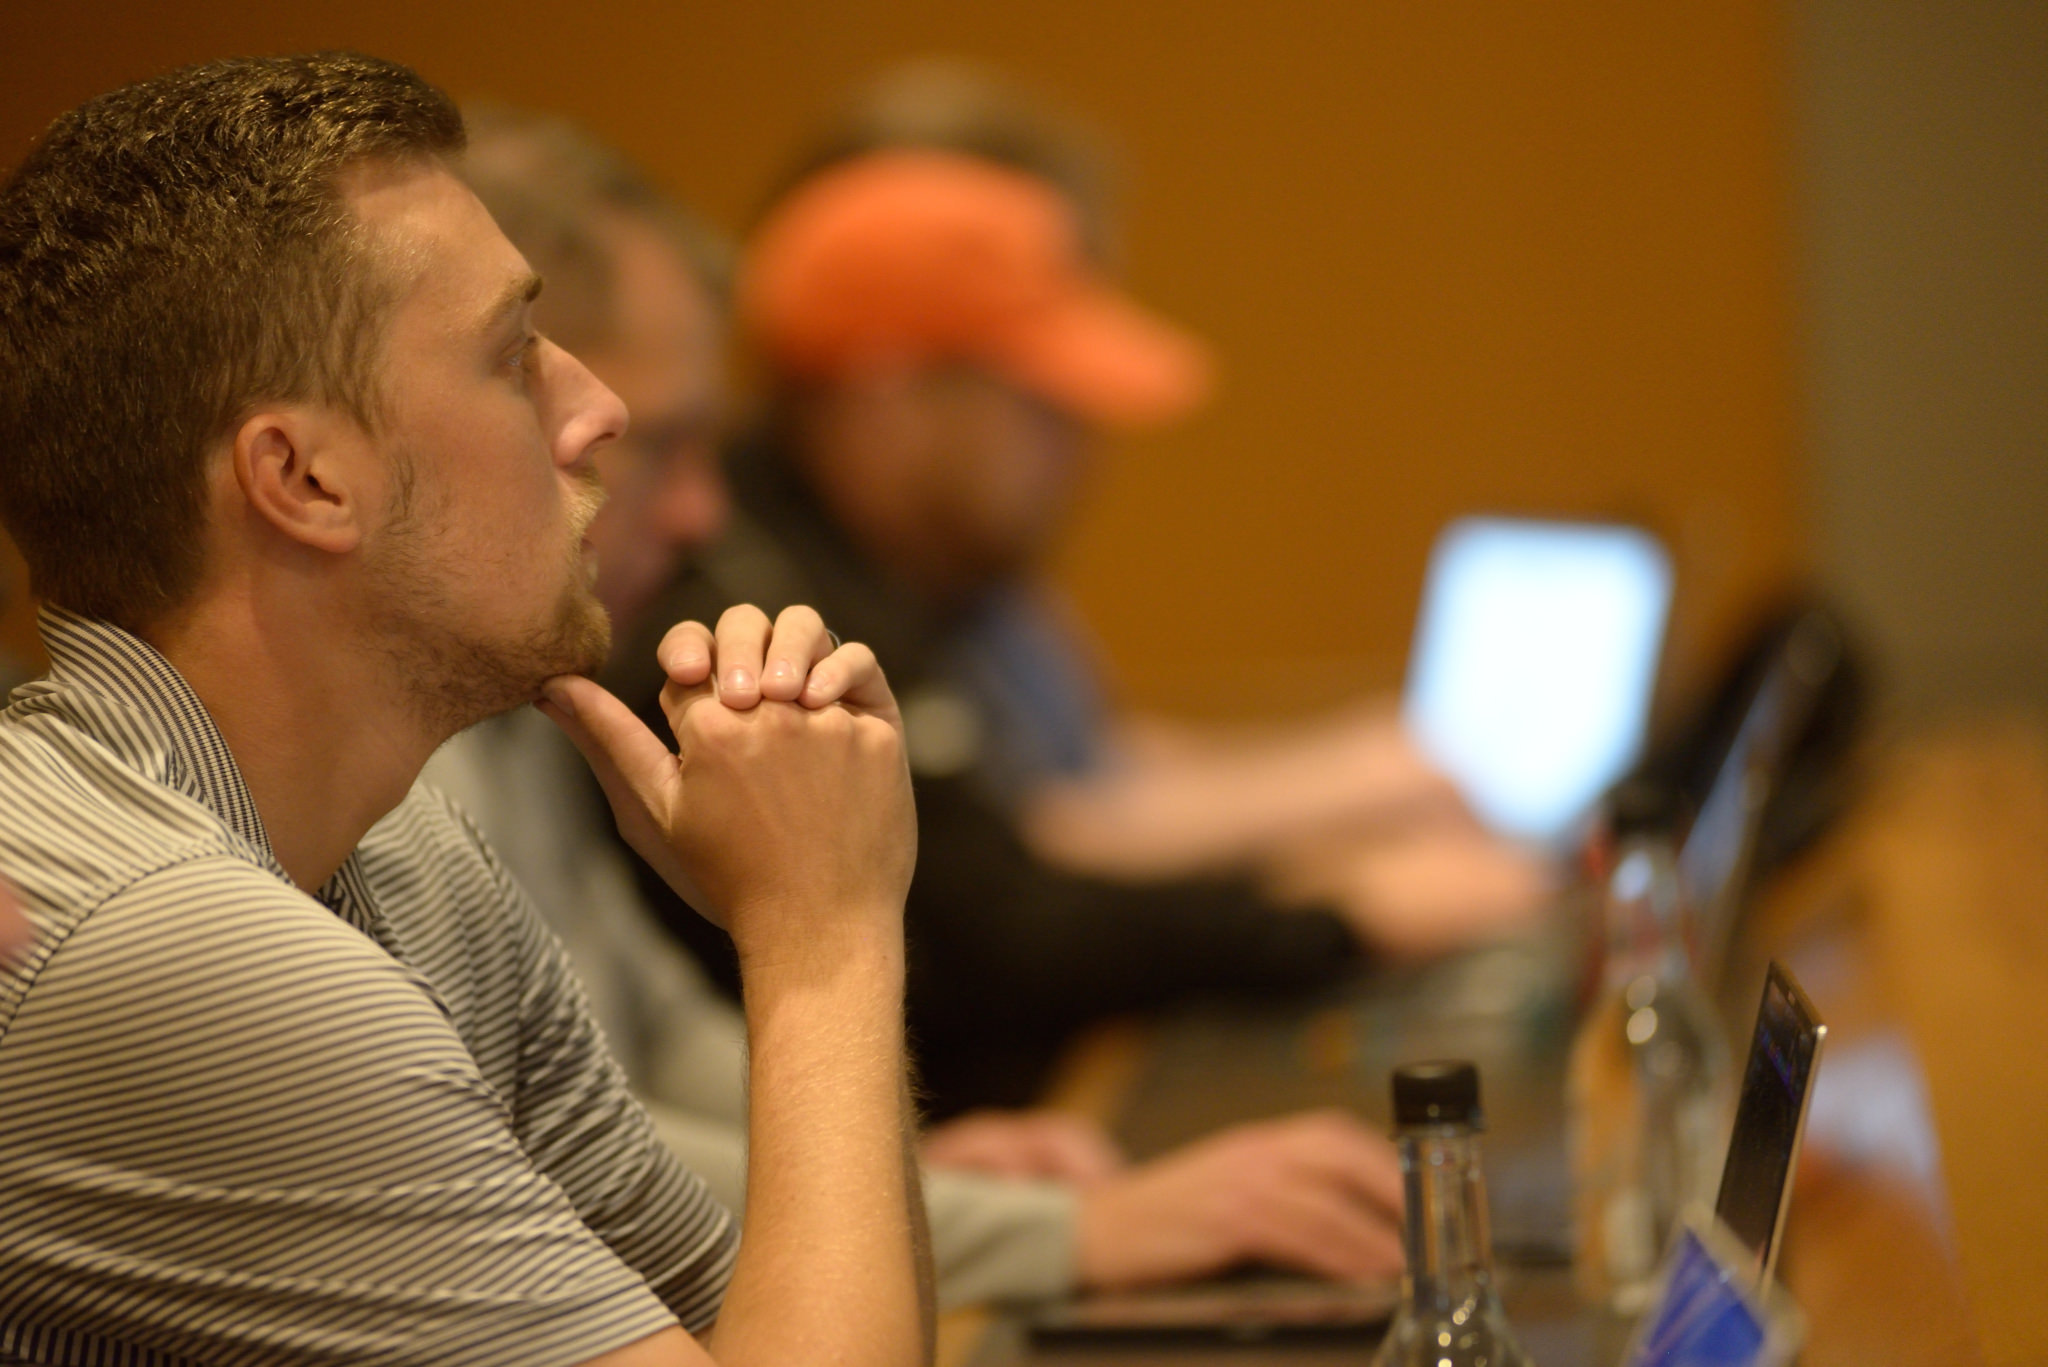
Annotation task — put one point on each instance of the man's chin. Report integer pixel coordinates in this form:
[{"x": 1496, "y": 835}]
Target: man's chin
[
  {"x": 580, "y": 644},
  {"x": 587, "y": 641}
]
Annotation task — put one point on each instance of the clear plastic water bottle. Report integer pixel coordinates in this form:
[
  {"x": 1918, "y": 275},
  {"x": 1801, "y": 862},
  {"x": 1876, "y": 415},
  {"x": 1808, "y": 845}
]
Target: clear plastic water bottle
[
  {"x": 1650, "y": 1074},
  {"x": 1450, "y": 1313}
]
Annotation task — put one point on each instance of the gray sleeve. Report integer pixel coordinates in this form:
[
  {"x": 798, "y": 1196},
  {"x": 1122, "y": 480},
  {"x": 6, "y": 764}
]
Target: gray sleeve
[
  {"x": 993, "y": 1239},
  {"x": 238, "y": 1130},
  {"x": 522, "y": 784},
  {"x": 577, "y": 1116},
  {"x": 714, "y": 1149},
  {"x": 998, "y": 1239}
]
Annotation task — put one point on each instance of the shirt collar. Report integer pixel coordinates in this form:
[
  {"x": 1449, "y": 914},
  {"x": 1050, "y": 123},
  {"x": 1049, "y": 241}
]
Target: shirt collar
[
  {"x": 102, "y": 659},
  {"x": 124, "y": 670}
]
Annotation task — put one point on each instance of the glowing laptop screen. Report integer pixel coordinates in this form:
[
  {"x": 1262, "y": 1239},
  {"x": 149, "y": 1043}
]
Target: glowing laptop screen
[{"x": 1530, "y": 677}]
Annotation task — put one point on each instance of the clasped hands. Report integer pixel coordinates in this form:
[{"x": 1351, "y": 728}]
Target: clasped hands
[{"x": 784, "y": 812}]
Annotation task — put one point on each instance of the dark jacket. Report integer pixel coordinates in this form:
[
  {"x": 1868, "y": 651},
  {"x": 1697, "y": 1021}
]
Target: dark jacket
[{"x": 1008, "y": 955}]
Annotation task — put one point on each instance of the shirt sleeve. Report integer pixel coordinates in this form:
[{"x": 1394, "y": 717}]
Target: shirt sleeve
[
  {"x": 573, "y": 1112},
  {"x": 1000, "y": 1239},
  {"x": 994, "y": 1239},
  {"x": 1009, "y": 956},
  {"x": 235, "y": 1129}
]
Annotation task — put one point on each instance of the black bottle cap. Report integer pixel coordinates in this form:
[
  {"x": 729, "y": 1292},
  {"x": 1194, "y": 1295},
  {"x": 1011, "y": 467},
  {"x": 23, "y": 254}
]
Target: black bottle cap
[{"x": 1442, "y": 1092}]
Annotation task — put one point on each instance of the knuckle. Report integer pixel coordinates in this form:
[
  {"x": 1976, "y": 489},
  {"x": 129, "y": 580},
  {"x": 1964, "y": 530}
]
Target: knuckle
[
  {"x": 799, "y": 616},
  {"x": 880, "y": 741},
  {"x": 689, "y": 630},
  {"x": 742, "y": 617},
  {"x": 778, "y": 719}
]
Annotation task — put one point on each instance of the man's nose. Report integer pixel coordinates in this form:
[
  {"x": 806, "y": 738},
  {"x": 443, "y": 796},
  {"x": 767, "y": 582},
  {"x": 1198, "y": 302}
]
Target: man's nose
[{"x": 593, "y": 413}]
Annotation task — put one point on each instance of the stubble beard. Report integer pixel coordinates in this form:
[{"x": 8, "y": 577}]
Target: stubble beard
[{"x": 456, "y": 675}]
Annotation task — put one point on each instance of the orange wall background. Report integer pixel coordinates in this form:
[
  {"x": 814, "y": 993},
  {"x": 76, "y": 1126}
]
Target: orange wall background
[{"x": 1453, "y": 257}]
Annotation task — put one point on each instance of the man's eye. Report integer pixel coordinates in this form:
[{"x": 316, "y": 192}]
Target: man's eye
[{"x": 522, "y": 359}]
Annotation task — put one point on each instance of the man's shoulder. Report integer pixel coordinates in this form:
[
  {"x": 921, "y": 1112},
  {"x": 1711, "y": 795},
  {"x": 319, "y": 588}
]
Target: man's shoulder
[
  {"x": 459, "y": 915},
  {"x": 91, "y": 819},
  {"x": 150, "y": 943}
]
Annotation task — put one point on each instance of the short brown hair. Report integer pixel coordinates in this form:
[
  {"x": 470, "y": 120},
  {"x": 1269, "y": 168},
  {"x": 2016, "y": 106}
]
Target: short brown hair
[{"x": 172, "y": 254}]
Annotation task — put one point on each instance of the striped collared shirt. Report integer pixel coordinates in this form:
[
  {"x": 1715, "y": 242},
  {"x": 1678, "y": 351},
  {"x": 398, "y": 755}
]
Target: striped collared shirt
[{"x": 241, "y": 1124}]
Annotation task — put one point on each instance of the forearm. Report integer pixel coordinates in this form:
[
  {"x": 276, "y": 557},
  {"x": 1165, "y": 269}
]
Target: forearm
[
  {"x": 786, "y": 806},
  {"x": 829, "y": 1267},
  {"x": 923, "y": 1265},
  {"x": 1175, "y": 801}
]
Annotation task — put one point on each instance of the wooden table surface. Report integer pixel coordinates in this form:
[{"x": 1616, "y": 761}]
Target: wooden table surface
[
  {"x": 1927, "y": 912},
  {"x": 1922, "y": 916}
]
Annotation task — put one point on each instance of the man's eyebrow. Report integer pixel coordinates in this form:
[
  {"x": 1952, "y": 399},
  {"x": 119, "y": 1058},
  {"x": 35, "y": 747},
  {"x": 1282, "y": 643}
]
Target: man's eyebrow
[{"x": 522, "y": 290}]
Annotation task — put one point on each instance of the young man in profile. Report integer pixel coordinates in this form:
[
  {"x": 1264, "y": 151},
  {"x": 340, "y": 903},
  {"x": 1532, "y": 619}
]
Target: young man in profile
[{"x": 305, "y": 494}]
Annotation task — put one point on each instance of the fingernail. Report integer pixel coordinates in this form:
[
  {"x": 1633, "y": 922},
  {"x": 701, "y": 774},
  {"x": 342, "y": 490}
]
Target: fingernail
[
  {"x": 781, "y": 669},
  {"x": 556, "y": 695},
  {"x": 737, "y": 680}
]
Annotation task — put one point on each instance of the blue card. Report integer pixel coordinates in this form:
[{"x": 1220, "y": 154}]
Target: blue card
[{"x": 1707, "y": 1313}]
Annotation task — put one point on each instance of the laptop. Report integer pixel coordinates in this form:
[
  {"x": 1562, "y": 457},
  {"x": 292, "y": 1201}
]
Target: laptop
[
  {"x": 1533, "y": 663},
  {"x": 1721, "y": 846}
]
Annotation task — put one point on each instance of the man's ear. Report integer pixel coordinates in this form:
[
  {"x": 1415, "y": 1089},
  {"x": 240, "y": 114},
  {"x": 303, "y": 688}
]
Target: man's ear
[{"x": 302, "y": 471}]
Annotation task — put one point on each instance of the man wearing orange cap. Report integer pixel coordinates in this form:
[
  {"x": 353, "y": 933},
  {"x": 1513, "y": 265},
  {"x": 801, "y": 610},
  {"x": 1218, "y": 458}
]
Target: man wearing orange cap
[
  {"x": 940, "y": 349},
  {"x": 918, "y": 255}
]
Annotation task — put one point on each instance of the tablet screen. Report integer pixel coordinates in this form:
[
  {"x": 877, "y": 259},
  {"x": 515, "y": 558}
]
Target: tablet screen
[
  {"x": 1769, "y": 1115},
  {"x": 1530, "y": 677}
]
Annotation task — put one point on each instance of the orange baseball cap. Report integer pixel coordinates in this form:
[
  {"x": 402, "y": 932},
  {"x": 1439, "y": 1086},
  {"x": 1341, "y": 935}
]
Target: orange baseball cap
[{"x": 935, "y": 256}]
